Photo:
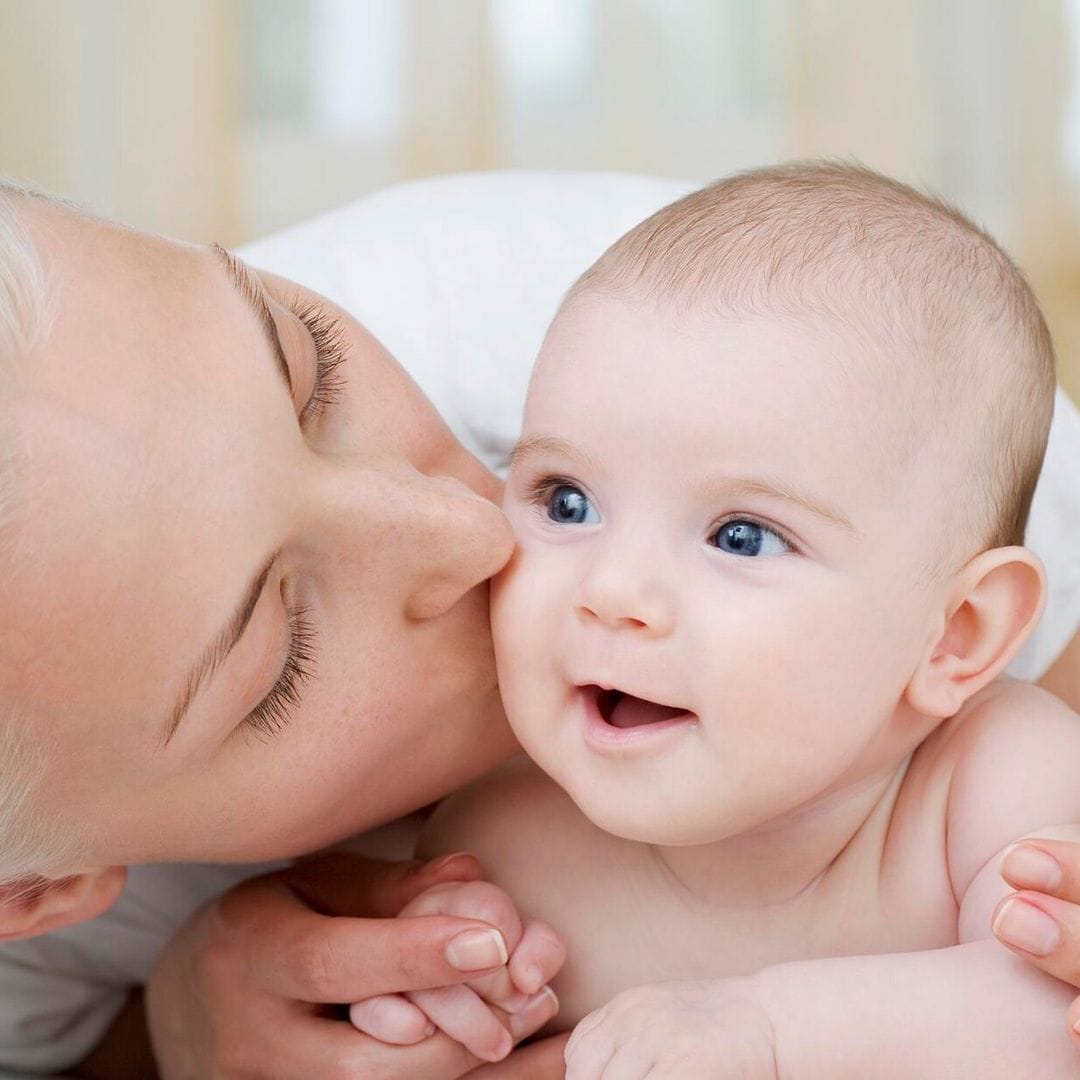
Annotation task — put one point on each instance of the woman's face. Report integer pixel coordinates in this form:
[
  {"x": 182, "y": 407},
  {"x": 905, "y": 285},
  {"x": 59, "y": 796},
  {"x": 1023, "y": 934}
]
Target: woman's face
[{"x": 245, "y": 601}]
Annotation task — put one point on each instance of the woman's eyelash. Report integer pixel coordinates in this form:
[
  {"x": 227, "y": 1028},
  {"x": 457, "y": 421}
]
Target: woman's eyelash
[
  {"x": 331, "y": 349},
  {"x": 273, "y": 712}
]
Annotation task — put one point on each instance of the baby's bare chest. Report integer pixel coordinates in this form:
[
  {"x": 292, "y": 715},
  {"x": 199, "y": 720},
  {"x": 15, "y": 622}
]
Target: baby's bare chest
[{"x": 633, "y": 927}]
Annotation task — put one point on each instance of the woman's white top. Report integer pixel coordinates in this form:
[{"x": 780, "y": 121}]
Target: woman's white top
[{"x": 459, "y": 278}]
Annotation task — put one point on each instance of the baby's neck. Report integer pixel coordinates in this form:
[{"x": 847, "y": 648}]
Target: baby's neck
[{"x": 779, "y": 862}]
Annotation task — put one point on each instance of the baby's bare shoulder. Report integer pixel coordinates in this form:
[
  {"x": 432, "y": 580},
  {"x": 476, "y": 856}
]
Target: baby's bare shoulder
[
  {"x": 512, "y": 818},
  {"x": 1012, "y": 756},
  {"x": 1005, "y": 730}
]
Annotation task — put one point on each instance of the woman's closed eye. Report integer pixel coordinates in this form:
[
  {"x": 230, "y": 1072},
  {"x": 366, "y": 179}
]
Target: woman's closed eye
[
  {"x": 274, "y": 711},
  {"x": 331, "y": 350},
  {"x": 749, "y": 538},
  {"x": 330, "y": 339}
]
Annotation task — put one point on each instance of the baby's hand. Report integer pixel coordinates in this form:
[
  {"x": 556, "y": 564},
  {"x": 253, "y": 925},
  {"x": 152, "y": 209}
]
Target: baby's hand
[
  {"x": 674, "y": 1030},
  {"x": 531, "y": 956}
]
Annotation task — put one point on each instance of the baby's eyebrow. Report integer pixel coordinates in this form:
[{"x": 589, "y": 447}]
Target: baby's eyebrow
[
  {"x": 251, "y": 292},
  {"x": 549, "y": 444},
  {"x": 777, "y": 489}
]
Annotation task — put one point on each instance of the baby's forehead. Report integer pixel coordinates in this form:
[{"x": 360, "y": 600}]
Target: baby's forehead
[
  {"x": 852, "y": 351},
  {"x": 852, "y": 381},
  {"x": 775, "y": 374}
]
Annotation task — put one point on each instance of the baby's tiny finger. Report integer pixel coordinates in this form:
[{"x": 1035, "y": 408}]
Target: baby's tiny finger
[
  {"x": 467, "y": 1019},
  {"x": 537, "y": 959},
  {"x": 587, "y": 1058},
  {"x": 497, "y": 988},
  {"x": 1073, "y": 1019},
  {"x": 534, "y": 1014},
  {"x": 584, "y": 1027},
  {"x": 627, "y": 1062},
  {"x": 391, "y": 1019}
]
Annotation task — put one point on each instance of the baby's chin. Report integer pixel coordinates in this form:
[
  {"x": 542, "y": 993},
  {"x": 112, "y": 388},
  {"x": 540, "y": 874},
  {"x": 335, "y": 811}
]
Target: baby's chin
[{"x": 622, "y": 814}]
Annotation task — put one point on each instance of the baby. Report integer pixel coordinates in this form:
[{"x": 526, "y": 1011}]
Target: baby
[{"x": 778, "y": 452}]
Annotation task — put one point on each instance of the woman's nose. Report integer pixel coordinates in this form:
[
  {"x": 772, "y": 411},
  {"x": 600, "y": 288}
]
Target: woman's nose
[
  {"x": 623, "y": 595},
  {"x": 426, "y": 539},
  {"x": 461, "y": 539}
]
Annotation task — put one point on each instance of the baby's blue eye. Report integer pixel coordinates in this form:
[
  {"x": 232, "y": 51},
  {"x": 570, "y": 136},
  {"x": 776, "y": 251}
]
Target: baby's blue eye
[
  {"x": 742, "y": 537},
  {"x": 569, "y": 505}
]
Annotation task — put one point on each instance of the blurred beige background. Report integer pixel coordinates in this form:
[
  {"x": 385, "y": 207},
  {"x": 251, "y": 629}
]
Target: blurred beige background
[{"x": 224, "y": 119}]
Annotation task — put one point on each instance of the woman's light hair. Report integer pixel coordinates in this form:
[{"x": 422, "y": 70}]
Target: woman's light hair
[
  {"x": 28, "y": 847},
  {"x": 26, "y": 312}
]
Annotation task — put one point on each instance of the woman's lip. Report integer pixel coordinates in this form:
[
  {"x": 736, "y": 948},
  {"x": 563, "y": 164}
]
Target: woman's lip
[{"x": 604, "y": 736}]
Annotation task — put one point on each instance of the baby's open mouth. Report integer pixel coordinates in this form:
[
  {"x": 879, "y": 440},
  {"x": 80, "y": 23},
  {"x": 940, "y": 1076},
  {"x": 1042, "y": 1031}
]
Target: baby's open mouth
[{"x": 626, "y": 711}]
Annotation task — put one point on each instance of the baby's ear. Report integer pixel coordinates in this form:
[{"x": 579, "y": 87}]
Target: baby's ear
[
  {"x": 37, "y": 905},
  {"x": 994, "y": 604}
]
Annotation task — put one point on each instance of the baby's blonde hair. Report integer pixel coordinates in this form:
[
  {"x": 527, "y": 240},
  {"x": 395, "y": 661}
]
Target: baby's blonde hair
[
  {"x": 29, "y": 847},
  {"x": 900, "y": 269}
]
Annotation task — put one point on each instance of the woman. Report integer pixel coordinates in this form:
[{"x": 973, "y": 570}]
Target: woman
[{"x": 291, "y": 554}]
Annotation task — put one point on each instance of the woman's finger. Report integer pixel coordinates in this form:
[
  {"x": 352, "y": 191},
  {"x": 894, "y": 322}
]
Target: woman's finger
[
  {"x": 487, "y": 902},
  {"x": 341, "y": 883},
  {"x": 1042, "y": 929},
  {"x": 291, "y": 951}
]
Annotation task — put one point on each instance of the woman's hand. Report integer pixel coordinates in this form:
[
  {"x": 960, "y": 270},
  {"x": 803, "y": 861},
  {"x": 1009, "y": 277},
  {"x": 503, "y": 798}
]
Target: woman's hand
[
  {"x": 463, "y": 1011},
  {"x": 1041, "y": 922},
  {"x": 250, "y": 986}
]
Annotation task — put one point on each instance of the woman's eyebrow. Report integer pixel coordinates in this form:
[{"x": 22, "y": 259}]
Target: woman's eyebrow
[
  {"x": 217, "y": 652},
  {"x": 251, "y": 292}
]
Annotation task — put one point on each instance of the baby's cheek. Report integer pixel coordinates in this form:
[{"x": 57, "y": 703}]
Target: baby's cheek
[
  {"x": 517, "y": 610},
  {"x": 525, "y": 631}
]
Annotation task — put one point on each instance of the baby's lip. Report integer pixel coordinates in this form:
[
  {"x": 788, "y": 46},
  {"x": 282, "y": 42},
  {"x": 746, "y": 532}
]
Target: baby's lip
[{"x": 620, "y": 708}]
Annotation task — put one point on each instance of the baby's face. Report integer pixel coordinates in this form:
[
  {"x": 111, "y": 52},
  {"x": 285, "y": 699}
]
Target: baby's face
[{"x": 719, "y": 592}]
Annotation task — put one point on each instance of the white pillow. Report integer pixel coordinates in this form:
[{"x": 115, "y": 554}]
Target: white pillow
[{"x": 460, "y": 275}]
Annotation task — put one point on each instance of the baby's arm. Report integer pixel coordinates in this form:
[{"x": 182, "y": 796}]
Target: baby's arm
[{"x": 968, "y": 1010}]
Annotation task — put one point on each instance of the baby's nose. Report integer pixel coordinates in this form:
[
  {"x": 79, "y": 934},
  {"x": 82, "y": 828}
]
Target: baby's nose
[{"x": 619, "y": 599}]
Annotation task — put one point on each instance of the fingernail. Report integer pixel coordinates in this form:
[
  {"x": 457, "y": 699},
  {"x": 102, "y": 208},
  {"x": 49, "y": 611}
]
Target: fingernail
[
  {"x": 502, "y": 1048},
  {"x": 476, "y": 950},
  {"x": 1031, "y": 868},
  {"x": 532, "y": 978},
  {"x": 1026, "y": 927},
  {"x": 514, "y": 1003},
  {"x": 538, "y": 1010}
]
